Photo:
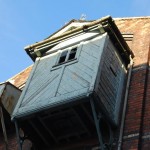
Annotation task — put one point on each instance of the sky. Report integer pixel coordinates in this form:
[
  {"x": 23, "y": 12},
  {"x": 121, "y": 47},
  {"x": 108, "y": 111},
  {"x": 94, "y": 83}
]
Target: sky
[{"x": 24, "y": 22}]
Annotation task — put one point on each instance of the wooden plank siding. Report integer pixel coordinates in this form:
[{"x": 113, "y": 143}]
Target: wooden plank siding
[
  {"x": 2, "y": 86},
  {"x": 97, "y": 66},
  {"x": 110, "y": 83},
  {"x": 53, "y": 84}
]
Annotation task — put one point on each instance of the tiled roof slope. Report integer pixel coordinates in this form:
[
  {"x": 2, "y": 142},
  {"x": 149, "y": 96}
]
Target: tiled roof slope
[
  {"x": 19, "y": 79},
  {"x": 138, "y": 26}
]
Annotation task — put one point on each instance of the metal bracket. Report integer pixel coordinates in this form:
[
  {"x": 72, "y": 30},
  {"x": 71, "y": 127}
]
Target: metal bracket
[
  {"x": 18, "y": 136},
  {"x": 98, "y": 120}
]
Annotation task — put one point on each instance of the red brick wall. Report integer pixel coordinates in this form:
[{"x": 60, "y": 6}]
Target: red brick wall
[
  {"x": 137, "y": 121},
  {"x": 133, "y": 121},
  {"x": 12, "y": 142},
  {"x": 145, "y": 144}
]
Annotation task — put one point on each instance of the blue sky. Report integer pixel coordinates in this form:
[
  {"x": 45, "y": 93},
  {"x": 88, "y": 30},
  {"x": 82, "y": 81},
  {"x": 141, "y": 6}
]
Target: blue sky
[{"x": 24, "y": 22}]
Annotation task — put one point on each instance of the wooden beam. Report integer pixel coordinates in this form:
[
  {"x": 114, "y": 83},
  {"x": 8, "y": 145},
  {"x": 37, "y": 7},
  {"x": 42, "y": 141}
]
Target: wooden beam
[
  {"x": 55, "y": 114},
  {"x": 39, "y": 133},
  {"x": 87, "y": 113},
  {"x": 18, "y": 137},
  {"x": 82, "y": 123},
  {"x": 79, "y": 144},
  {"x": 97, "y": 123},
  {"x": 66, "y": 137},
  {"x": 47, "y": 129},
  {"x": 3, "y": 128}
]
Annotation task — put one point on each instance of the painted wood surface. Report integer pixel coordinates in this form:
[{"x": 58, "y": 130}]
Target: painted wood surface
[
  {"x": 9, "y": 96},
  {"x": 110, "y": 84},
  {"x": 2, "y": 86},
  {"x": 51, "y": 86}
]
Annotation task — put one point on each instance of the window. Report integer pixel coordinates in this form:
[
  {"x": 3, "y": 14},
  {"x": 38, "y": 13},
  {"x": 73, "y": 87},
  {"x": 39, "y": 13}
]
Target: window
[
  {"x": 72, "y": 54},
  {"x": 67, "y": 56},
  {"x": 62, "y": 57}
]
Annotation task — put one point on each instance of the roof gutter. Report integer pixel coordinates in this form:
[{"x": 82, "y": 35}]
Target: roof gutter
[
  {"x": 67, "y": 33},
  {"x": 125, "y": 105},
  {"x": 105, "y": 24},
  {"x": 37, "y": 49}
]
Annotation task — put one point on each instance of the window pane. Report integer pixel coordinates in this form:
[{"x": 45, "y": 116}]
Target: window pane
[
  {"x": 63, "y": 57},
  {"x": 72, "y": 54}
]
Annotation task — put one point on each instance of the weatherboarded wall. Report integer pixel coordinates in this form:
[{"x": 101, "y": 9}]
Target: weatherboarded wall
[{"x": 53, "y": 83}]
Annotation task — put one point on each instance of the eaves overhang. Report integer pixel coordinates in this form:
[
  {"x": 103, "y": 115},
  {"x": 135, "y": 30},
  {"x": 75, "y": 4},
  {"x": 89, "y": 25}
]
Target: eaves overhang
[{"x": 105, "y": 24}]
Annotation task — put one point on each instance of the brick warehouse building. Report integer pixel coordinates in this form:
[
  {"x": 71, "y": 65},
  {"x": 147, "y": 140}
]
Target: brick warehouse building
[{"x": 136, "y": 133}]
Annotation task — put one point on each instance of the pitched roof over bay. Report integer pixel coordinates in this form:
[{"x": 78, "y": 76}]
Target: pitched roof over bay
[
  {"x": 19, "y": 79},
  {"x": 136, "y": 30}
]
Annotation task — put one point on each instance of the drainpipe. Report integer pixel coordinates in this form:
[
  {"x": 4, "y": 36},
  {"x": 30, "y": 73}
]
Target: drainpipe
[
  {"x": 51, "y": 39},
  {"x": 125, "y": 104}
]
